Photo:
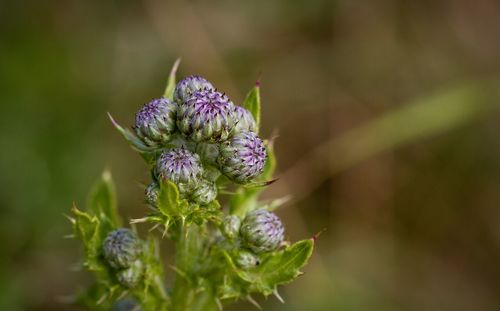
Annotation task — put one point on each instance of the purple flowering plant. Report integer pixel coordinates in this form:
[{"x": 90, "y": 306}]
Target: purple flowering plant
[{"x": 208, "y": 168}]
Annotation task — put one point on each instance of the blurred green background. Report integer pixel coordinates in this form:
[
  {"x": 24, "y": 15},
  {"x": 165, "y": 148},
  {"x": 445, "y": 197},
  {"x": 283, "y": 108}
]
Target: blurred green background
[{"x": 388, "y": 122}]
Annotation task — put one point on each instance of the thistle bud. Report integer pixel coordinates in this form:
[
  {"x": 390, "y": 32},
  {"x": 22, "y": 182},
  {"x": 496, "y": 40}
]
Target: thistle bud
[
  {"x": 181, "y": 167},
  {"x": 262, "y": 231},
  {"x": 155, "y": 122},
  {"x": 206, "y": 116},
  {"x": 247, "y": 260},
  {"x": 121, "y": 248},
  {"x": 187, "y": 86},
  {"x": 151, "y": 194},
  {"x": 130, "y": 276},
  {"x": 230, "y": 227},
  {"x": 205, "y": 192},
  {"x": 242, "y": 158},
  {"x": 244, "y": 120},
  {"x": 127, "y": 304}
]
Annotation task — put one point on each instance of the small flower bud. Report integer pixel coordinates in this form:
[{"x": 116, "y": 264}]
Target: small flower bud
[
  {"x": 181, "y": 167},
  {"x": 262, "y": 231},
  {"x": 127, "y": 304},
  {"x": 205, "y": 192},
  {"x": 206, "y": 116},
  {"x": 244, "y": 120},
  {"x": 247, "y": 260},
  {"x": 121, "y": 247},
  {"x": 242, "y": 158},
  {"x": 230, "y": 226},
  {"x": 129, "y": 277},
  {"x": 187, "y": 86},
  {"x": 151, "y": 194},
  {"x": 155, "y": 122}
]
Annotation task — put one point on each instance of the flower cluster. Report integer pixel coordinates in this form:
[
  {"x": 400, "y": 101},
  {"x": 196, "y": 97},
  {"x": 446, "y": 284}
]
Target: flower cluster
[
  {"x": 208, "y": 167},
  {"x": 200, "y": 127}
]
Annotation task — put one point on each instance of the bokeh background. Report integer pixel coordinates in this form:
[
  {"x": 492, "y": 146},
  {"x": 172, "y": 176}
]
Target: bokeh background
[{"x": 387, "y": 114}]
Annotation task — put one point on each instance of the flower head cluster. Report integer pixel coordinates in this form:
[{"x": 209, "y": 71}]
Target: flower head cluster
[{"x": 200, "y": 127}]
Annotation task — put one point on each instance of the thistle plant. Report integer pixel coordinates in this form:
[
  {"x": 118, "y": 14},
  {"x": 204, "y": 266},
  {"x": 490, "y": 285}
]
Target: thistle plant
[{"x": 208, "y": 168}]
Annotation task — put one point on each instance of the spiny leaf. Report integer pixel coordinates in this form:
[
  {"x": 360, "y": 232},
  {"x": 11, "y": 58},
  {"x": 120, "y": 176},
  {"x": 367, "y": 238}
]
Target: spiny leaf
[
  {"x": 102, "y": 199},
  {"x": 169, "y": 89},
  {"x": 252, "y": 103},
  {"x": 276, "y": 268},
  {"x": 146, "y": 152},
  {"x": 168, "y": 199}
]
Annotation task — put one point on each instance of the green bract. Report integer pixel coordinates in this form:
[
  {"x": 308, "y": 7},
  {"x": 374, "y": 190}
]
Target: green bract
[
  {"x": 231, "y": 226},
  {"x": 199, "y": 147},
  {"x": 129, "y": 277}
]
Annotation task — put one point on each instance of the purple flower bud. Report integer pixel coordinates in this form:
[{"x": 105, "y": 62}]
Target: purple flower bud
[
  {"x": 155, "y": 122},
  {"x": 204, "y": 193},
  {"x": 129, "y": 277},
  {"x": 187, "y": 86},
  {"x": 242, "y": 158},
  {"x": 206, "y": 116},
  {"x": 121, "y": 248},
  {"x": 230, "y": 226},
  {"x": 181, "y": 167},
  {"x": 244, "y": 120},
  {"x": 262, "y": 231},
  {"x": 151, "y": 194}
]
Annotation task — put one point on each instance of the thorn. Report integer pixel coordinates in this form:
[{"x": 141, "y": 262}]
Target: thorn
[
  {"x": 277, "y": 295},
  {"x": 71, "y": 219},
  {"x": 115, "y": 124},
  {"x": 219, "y": 304},
  {"x": 122, "y": 295},
  {"x": 138, "y": 220},
  {"x": 69, "y": 236},
  {"x": 154, "y": 227},
  {"x": 255, "y": 303},
  {"x": 101, "y": 300},
  {"x": 316, "y": 236},
  {"x": 173, "y": 71},
  {"x": 259, "y": 76}
]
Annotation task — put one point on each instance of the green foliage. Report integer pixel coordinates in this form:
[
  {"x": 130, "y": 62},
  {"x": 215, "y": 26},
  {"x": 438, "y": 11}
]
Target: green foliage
[
  {"x": 276, "y": 268},
  {"x": 170, "y": 88},
  {"x": 252, "y": 103},
  {"x": 102, "y": 198}
]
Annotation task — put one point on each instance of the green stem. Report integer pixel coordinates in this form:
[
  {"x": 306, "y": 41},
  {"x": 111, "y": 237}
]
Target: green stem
[{"x": 185, "y": 294}]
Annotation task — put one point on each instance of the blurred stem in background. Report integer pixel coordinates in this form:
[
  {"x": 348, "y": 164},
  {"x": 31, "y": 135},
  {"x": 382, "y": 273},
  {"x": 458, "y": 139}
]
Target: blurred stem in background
[{"x": 444, "y": 110}]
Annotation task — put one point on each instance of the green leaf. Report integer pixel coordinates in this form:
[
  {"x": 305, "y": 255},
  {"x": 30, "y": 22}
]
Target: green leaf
[
  {"x": 252, "y": 103},
  {"x": 102, "y": 199},
  {"x": 146, "y": 152},
  {"x": 276, "y": 268},
  {"x": 88, "y": 228},
  {"x": 169, "y": 89},
  {"x": 169, "y": 202}
]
